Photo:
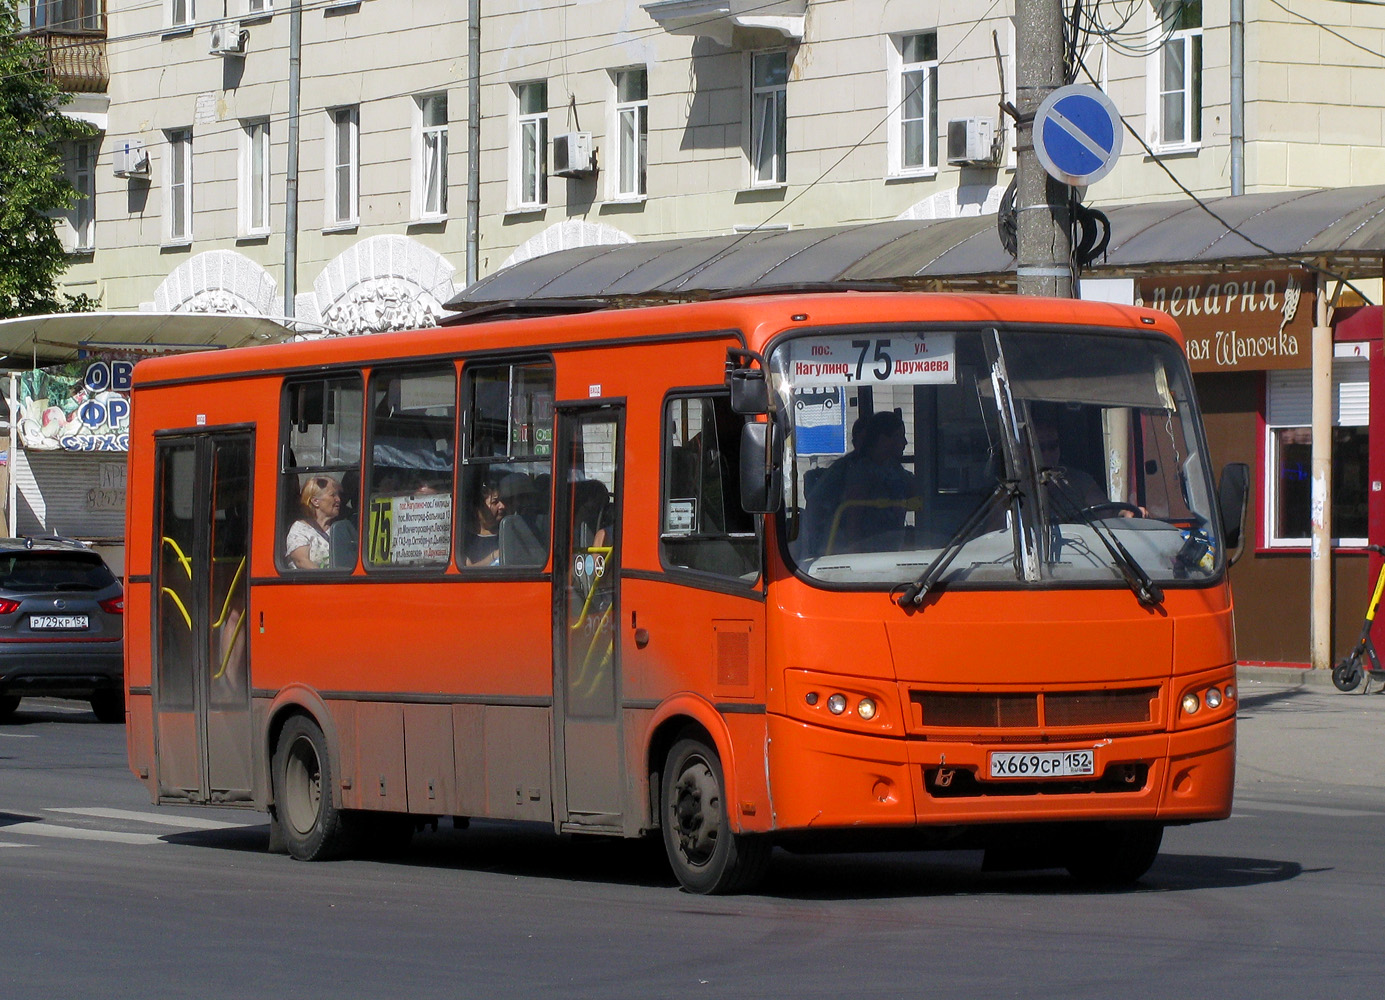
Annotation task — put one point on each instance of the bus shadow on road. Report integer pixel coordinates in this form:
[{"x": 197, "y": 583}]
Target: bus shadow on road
[{"x": 520, "y": 851}]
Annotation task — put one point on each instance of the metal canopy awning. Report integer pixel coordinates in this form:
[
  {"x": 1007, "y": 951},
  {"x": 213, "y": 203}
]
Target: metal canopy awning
[
  {"x": 1342, "y": 229},
  {"x": 63, "y": 336}
]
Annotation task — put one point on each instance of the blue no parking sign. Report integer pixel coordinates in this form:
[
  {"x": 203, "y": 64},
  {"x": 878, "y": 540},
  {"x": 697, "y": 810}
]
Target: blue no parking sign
[{"x": 1077, "y": 134}]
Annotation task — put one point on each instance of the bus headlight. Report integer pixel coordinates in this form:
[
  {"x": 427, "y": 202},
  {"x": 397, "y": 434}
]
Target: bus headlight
[
  {"x": 1213, "y": 698},
  {"x": 865, "y": 708},
  {"x": 1191, "y": 703},
  {"x": 836, "y": 704}
]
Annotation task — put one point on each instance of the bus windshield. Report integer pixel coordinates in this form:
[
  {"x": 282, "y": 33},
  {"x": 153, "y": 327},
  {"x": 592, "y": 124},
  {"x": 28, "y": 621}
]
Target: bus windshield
[{"x": 993, "y": 458}]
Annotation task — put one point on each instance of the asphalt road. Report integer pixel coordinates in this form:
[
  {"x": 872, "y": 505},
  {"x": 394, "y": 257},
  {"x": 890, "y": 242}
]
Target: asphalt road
[{"x": 103, "y": 895}]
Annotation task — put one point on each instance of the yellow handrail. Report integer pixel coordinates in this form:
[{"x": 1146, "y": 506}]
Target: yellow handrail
[
  {"x": 230, "y": 593},
  {"x": 909, "y": 503},
  {"x": 179, "y": 601},
  {"x": 187, "y": 563}
]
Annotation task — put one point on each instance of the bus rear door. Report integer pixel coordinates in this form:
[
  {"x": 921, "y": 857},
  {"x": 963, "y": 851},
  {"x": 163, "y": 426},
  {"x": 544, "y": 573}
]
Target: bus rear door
[{"x": 201, "y": 677}]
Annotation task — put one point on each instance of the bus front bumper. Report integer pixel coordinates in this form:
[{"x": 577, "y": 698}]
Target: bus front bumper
[{"x": 826, "y": 779}]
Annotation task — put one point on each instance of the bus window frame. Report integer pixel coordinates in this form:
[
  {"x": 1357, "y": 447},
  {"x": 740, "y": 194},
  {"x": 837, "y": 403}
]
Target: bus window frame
[
  {"x": 284, "y": 520},
  {"x": 461, "y": 509},
  {"x": 1127, "y": 333},
  {"x": 387, "y": 370},
  {"x": 684, "y": 575}
]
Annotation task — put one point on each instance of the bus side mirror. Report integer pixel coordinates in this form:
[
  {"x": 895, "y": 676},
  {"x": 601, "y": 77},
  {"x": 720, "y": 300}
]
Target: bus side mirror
[
  {"x": 1233, "y": 499},
  {"x": 762, "y": 478},
  {"x": 749, "y": 392}
]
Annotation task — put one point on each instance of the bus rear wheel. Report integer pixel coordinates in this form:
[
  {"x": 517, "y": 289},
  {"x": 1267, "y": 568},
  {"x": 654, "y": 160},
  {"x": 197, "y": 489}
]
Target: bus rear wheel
[
  {"x": 313, "y": 828},
  {"x": 1111, "y": 855},
  {"x": 706, "y": 855}
]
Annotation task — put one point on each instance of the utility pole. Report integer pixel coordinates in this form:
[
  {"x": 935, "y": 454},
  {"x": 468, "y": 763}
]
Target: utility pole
[{"x": 1042, "y": 220}]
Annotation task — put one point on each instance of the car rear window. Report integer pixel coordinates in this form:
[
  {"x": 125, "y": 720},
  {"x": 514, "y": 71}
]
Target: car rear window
[{"x": 54, "y": 571}]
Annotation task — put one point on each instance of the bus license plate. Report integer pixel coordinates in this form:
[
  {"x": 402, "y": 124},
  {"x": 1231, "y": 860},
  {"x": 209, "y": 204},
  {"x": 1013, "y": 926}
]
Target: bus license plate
[
  {"x": 1045, "y": 764},
  {"x": 58, "y": 621}
]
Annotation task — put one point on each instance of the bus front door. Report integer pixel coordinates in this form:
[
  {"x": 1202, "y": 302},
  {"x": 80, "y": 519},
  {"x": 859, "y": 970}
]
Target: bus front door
[
  {"x": 202, "y": 731},
  {"x": 586, "y": 589}
]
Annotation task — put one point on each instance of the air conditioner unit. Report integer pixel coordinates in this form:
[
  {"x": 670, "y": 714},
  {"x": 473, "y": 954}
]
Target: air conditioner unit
[
  {"x": 971, "y": 142},
  {"x": 572, "y": 155},
  {"x": 131, "y": 159},
  {"x": 228, "y": 40}
]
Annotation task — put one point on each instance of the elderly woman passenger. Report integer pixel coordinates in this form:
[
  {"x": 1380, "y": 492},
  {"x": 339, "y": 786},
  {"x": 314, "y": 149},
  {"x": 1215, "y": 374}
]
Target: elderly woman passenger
[{"x": 308, "y": 545}]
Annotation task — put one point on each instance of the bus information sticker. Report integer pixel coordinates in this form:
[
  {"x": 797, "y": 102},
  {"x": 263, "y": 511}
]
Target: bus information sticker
[
  {"x": 899, "y": 359},
  {"x": 682, "y": 516},
  {"x": 819, "y": 420}
]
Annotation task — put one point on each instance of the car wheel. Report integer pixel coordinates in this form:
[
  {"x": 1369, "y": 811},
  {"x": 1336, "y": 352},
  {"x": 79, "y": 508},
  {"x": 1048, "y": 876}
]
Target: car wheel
[
  {"x": 8, "y": 704},
  {"x": 706, "y": 856},
  {"x": 109, "y": 706},
  {"x": 314, "y": 829}
]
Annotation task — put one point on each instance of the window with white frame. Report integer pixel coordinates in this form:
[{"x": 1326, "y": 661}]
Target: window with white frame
[
  {"x": 913, "y": 96},
  {"x": 82, "y": 215},
  {"x": 254, "y": 177},
  {"x": 260, "y": 6},
  {"x": 632, "y": 132},
  {"x": 181, "y": 13},
  {"x": 1176, "y": 75},
  {"x": 343, "y": 165},
  {"x": 178, "y": 186},
  {"x": 530, "y": 145},
  {"x": 430, "y": 157},
  {"x": 769, "y": 80},
  {"x": 1289, "y": 446}
]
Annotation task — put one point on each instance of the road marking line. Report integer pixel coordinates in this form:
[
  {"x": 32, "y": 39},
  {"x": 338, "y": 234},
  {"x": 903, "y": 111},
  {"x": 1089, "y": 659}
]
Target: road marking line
[
  {"x": 78, "y": 833},
  {"x": 165, "y": 819},
  {"x": 20, "y": 736},
  {"x": 1284, "y": 807}
]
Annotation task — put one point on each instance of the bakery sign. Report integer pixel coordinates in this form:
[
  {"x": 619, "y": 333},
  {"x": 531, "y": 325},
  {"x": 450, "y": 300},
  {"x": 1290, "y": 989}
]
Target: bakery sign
[{"x": 1238, "y": 322}]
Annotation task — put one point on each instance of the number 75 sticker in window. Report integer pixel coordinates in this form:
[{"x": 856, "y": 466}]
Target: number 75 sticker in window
[{"x": 897, "y": 359}]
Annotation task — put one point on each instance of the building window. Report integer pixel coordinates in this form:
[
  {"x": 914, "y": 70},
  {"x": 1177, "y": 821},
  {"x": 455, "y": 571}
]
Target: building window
[
  {"x": 1288, "y": 454},
  {"x": 254, "y": 178},
  {"x": 260, "y": 6},
  {"x": 531, "y": 144},
  {"x": 769, "y": 78},
  {"x": 430, "y": 156},
  {"x": 913, "y": 100},
  {"x": 632, "y": 132},
  {"x": 181, "y": 13},
  {"x": 82, "y": 215},
  {"x": 1177, "y": 88},
  {"x": 178, "y": 187},
  {"x": 343, "y": 165}
]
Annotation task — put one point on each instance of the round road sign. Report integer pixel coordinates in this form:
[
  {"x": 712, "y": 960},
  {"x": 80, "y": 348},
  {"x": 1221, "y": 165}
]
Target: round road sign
[{"x": 1077, "y": 134}]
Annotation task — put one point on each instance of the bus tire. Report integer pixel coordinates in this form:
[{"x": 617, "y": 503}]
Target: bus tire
[
  {"x": 8, "y": 704},
  {"x": 1111, "y": 855},
  {"x": 313, "y": 828},
  {"x": 108, "y": 706},
  {"x": 704, "y": 853}
]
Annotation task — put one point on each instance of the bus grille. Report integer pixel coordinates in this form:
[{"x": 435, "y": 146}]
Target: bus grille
[{"x": 1031, "y": 710}]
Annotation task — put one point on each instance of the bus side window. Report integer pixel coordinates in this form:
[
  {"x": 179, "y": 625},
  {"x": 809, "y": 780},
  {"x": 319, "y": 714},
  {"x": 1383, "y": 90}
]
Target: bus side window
[
  {"x": 702, "y": 524},
  {"x": 320, "y": 473},
  {"x": 507, "y": 466},
  {"x": 409, "y": 476}
]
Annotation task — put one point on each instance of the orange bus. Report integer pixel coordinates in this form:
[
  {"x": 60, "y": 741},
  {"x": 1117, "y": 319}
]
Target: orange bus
[{"x": 807, "y": 570}]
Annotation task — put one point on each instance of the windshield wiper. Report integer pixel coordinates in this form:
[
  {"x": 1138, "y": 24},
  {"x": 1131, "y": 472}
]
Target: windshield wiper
[
  {"x": 1141, "y": 585},
  {"x": 1004, "y": 494}
]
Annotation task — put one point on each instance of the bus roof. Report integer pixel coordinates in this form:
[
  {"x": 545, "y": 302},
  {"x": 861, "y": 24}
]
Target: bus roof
[{"x": 755, "y": 318}]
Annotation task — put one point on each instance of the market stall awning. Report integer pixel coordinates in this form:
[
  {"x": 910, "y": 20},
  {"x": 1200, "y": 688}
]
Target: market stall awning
[
  {"x": 1341, "y": 228},
  {"x": 62, "y": 336}
]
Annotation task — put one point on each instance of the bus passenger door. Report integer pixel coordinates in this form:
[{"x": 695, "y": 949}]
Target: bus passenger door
[
  {"x": 202, "y": 726},
  {"x": 589, "y": 756}
]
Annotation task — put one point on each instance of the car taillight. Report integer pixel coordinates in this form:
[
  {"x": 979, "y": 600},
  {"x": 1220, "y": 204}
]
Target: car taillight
[
  {"x": 8, "y": 607},
  {"x": 111, "y": 605}
]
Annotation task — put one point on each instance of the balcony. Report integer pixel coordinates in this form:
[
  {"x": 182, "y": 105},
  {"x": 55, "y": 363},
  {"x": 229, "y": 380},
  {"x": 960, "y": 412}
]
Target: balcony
[{"x": 73, "y": 33}]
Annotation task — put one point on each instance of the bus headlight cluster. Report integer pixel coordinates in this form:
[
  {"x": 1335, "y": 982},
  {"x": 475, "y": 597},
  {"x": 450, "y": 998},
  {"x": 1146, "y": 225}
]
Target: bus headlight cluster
[
  {"x": 1213, "y": 697},
  {"x": 837, "y": 704}
]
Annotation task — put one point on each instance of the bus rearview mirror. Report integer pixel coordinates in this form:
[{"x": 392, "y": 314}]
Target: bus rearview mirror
[
  {"x": 762, "y": 478},
  {"x": 749, "y": 393}
]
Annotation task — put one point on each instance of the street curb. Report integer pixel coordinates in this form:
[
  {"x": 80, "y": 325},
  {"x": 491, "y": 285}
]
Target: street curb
[{"x": 1284, "y": 676}]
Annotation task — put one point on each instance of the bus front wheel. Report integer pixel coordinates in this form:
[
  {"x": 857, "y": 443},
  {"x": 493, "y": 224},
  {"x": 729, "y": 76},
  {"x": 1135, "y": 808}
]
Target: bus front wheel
[
  {"x": 705, "y": 854},
  {"x": 314, "y": 829},
  {"x": 1113, "y": 854}
]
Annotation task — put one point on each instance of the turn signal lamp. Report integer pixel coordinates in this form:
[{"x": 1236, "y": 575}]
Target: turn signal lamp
[
  {"x": 113, "y": 605},
  {"x": 865, "y": 708},
  {"x": 8, "y": 607},
  {"x": 1191, "y": 703}
]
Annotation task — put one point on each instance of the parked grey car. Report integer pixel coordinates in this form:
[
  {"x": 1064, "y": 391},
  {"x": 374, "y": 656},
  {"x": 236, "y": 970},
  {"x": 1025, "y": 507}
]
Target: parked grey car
[{"x": 62, "y": 626}]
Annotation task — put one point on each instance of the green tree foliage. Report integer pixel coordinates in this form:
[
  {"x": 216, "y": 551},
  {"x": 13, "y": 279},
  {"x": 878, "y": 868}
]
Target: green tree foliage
[{"x": 33, "y": 188}]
